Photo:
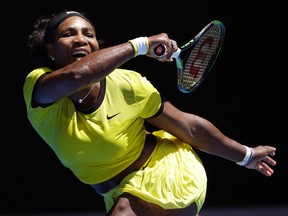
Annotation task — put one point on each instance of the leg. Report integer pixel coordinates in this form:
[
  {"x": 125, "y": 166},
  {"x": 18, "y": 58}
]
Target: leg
[{"x": 129, "y": 205}]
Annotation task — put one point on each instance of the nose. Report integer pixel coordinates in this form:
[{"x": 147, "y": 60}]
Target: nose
[{"x": 80, "y": 39}]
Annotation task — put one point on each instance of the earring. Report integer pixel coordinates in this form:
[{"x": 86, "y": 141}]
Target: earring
[{"x": 52, "y": 58}]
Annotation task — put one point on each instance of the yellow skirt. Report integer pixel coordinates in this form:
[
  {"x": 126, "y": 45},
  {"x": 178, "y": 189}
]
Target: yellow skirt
[{"x": 173, "y": 177}]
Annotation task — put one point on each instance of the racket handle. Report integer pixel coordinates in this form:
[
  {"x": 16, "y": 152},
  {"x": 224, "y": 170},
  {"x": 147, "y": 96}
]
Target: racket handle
[
  {"x": 176, "y": 54},
  {"x": 160, "y": 50}
]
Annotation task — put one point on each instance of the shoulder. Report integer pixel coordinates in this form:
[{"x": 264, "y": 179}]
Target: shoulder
[
  {"x": 31, "y": 80},
  {"x": 36, "y": 73}
]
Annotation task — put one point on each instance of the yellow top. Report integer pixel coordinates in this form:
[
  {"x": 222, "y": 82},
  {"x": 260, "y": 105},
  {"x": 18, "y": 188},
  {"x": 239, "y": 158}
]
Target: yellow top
[{"x": 99, "y": 145}]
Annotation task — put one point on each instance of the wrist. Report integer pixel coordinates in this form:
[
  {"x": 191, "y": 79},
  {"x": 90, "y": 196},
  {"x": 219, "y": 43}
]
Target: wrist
[
  {"x": 247, "y": 158},
  {"x": 140, "y": 45}
]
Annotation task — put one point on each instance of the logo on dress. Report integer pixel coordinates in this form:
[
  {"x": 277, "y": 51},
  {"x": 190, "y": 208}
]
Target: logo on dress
[{"x": 112, "y": 116}]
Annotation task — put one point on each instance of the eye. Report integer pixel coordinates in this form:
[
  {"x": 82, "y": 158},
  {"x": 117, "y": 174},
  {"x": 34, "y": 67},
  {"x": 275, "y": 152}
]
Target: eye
[
  {"x": 90, "y": 35},
  {"x": 67, "y": 34}
]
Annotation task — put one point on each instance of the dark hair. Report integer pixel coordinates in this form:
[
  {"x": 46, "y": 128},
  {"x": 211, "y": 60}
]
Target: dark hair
[
  {"x": 36, "y": 48},
  {"x": 42, "y": 33}
]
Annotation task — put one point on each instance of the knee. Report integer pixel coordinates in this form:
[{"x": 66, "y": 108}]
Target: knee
[
  {"x": 123, "y": 204},
  {"x": 121, "y": 208}
]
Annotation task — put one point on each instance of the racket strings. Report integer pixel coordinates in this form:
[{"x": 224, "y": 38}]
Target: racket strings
[{"x": 201, "y": 57}]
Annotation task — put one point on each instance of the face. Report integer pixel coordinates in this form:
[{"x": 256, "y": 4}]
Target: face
[{"x": 75, "y": 38}]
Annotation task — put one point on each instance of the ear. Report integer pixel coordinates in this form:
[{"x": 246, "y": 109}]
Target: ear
[{"x": 50, "y": 51}]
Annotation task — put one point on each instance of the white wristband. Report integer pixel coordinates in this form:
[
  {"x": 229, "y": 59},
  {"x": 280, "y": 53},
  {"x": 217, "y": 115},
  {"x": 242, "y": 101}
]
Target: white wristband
[
  {"x": 140, "y": 45},
  {"x": 247, "y": 158}
]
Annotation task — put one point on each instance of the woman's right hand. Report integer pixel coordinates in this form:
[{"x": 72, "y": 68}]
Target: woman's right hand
[{"x": 169, "y": 44}]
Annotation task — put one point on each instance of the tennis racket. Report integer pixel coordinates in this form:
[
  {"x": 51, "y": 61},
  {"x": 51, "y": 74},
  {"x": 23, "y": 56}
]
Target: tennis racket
[{"x": 195, "y": 59}]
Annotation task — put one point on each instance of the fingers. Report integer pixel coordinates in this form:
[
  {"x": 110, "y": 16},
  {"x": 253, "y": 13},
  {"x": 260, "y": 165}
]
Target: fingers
[
  {"x": 164, "y": 52},
  {"x": 269, "y": 160},
  {"x": 271, "y": 150},
  {"x": 174, "y": 46},
  {"x": 161, "y": 47},
  {"x": 264, "y": 169},
  {"x": 262, "y": 160}
]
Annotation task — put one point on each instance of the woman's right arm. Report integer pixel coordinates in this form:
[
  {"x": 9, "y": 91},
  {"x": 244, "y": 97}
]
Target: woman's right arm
[{"x": 93, "y": 68}]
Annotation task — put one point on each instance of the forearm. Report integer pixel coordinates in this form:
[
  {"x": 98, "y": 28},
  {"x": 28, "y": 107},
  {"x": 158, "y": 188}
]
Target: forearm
[
  {"x": 208, "y": 138},
  {"x": 94, "y": 67},
  {"x": 90, "y": 69}
]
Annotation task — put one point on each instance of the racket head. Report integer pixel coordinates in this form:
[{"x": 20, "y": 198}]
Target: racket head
[{"x": 198, "y": 56}]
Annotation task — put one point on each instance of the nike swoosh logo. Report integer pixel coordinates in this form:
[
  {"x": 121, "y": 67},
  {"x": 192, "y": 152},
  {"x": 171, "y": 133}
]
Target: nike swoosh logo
[{"x": 112, "y": 116}]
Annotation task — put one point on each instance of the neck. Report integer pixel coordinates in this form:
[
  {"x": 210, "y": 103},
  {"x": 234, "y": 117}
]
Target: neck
[{"x": 80, "y": 100}]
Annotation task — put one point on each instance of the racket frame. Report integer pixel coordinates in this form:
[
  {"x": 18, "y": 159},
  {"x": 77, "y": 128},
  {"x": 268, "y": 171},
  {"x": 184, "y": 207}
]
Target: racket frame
[{"x": 191, "y": 45}]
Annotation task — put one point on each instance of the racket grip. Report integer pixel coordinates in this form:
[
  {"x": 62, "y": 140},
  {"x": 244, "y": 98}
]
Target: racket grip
[
  {"x": 160, "y": 50},
  {"x": 176, "y": 54}
]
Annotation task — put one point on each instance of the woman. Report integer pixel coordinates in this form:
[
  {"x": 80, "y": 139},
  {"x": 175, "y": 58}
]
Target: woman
[{"x": 92, "y": 114}]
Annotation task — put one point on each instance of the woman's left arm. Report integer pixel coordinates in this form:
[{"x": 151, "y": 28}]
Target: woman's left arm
[{"x": 202, "y": 134}]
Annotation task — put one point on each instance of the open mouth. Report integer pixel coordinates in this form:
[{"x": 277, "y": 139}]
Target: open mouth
[{"x": 79, "y": 54}]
